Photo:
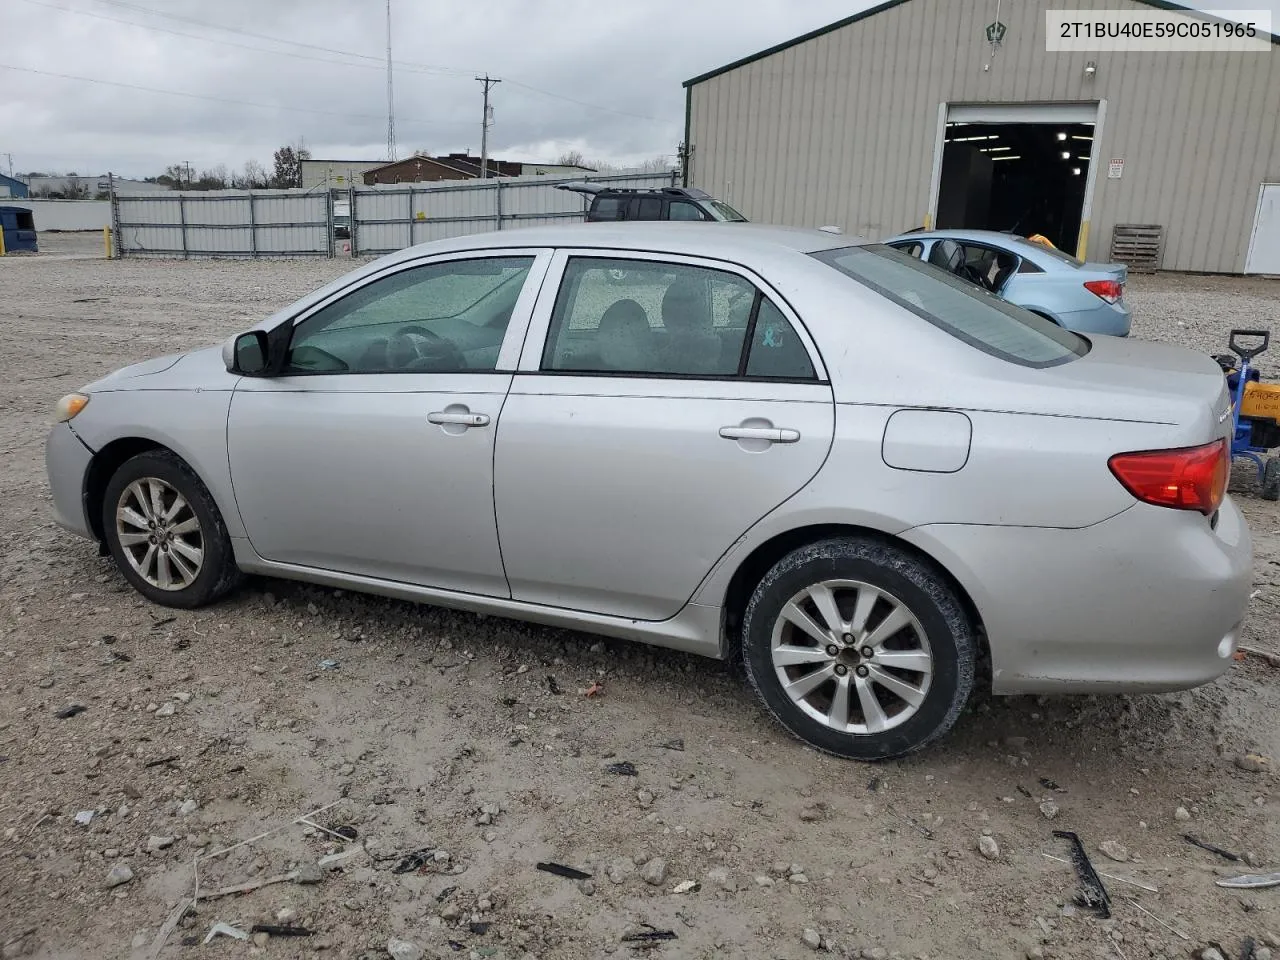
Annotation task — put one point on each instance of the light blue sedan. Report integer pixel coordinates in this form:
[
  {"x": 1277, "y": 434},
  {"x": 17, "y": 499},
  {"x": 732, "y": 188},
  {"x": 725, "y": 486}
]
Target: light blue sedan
[{"x": 1084, "y": 297}]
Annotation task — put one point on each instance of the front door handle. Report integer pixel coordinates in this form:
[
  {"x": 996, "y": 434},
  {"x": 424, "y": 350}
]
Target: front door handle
[
  {"x": 770, "y": 434},
  {"x": 462, "y": 418}
]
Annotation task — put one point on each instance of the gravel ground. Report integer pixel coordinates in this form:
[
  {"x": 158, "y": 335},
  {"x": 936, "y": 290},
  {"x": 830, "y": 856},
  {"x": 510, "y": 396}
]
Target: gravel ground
[{"x": 462, "y": 750}]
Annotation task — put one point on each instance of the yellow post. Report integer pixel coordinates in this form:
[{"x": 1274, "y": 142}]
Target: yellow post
[
  {"x": 106, "y": 242},
  {"x": 1082, "y": 246},
  {"x": 1, "y": 241}
]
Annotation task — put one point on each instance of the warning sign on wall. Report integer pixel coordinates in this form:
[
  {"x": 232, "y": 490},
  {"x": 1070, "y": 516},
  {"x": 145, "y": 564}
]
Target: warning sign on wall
[{"x": 1115, "y": 169}]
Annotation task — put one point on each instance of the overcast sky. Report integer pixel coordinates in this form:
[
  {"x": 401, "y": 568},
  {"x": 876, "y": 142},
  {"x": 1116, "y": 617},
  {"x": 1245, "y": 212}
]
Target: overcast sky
[{"x": 599, "y": 76}]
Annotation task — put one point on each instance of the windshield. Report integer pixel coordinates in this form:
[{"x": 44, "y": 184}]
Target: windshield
[
  {"x": 967, "y": 312},
  {"x": 725, "y": 212}
]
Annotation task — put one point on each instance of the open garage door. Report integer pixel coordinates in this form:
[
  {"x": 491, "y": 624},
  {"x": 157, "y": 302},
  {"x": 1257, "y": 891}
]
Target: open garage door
[{"x": 1027, "y": 168}]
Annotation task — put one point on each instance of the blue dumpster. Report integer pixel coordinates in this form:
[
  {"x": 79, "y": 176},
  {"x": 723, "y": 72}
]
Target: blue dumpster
[{"x": 19, "y": 228}]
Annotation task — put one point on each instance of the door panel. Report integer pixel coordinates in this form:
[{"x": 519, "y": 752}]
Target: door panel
[
  {"x": 617, "y": 495},
  {"x": 349, "y": 473}
]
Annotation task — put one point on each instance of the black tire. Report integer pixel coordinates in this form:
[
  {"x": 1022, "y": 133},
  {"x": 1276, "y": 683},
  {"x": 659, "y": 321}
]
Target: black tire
[
  {"x": 1271, "y": 480},
  {"x": 918, "y": 587},
  {"x": 217, "y": 573}
]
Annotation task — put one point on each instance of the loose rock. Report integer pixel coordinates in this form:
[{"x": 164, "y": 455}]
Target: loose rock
[
  {"x": 1049, "y": 809},
  {"x": 155, "y": 843},
  {"x": 988, "y": 847},
  {"x": 118, "y": 875},
  {"x": 812, "y": 939},
  {"x": 308, "y": 873},
  {"x": 286, "y": 916},
  {"x": 188, "y": 807},
  {"x": 620, "y": 869},
  {"x": 1115, "y": 850},
  {"x": 654, "y": 872},
  {"x": 403, "y": 950},
  {"x": 1181, "y": 814},
  {"x": 1262, "y": 953},
  {"x": 588, "y": 887},
  {"x": 814, "y": 813},
  {"x": 1210, "y": 953},
  {"x": 1253, "y": 763},
  {"x": 166, "y": 710}
]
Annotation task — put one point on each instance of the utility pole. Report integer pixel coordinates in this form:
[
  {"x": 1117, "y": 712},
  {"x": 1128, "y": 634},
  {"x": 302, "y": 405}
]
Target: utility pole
[
  {"x": 391, "y": 100},
  {"x": 485, "y": 123},
  {"x": 187, "y": 163},
  {"x": 10, "y": 156}
]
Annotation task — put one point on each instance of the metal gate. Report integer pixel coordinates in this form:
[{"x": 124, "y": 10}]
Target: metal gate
[{"x": 223, "y": 223}]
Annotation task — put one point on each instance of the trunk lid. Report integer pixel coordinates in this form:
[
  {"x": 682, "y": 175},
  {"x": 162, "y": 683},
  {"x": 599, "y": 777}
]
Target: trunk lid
[{"x": 1156, "y": 382}]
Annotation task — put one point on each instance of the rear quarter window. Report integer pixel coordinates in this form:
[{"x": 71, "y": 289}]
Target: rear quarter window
[{"x": 965, "y": 311}]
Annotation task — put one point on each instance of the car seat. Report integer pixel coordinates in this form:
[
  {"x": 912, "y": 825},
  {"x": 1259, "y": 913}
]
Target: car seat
[
  {"x": 624, "y": 339},
  {"x": 691, "y": 343}
]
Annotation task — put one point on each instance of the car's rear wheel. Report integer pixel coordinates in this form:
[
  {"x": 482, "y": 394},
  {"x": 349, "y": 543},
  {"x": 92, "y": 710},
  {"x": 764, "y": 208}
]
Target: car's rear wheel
[
  {"x": 859, "y": 648},
  {"x": 165, "y": 532},
  {"x": 1271, "y": 480}
]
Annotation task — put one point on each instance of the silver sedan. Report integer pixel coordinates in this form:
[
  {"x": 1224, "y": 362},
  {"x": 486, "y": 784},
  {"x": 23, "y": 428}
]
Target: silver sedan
[{"x": 874, "y": 482}]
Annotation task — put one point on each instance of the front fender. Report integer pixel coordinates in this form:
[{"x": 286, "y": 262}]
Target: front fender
[{"x": 191, "y": 423}]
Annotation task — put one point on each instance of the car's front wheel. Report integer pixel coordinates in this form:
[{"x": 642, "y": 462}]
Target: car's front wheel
[
  {"x": 859, "y": 648},
  {"x": 165, "y": 532}
]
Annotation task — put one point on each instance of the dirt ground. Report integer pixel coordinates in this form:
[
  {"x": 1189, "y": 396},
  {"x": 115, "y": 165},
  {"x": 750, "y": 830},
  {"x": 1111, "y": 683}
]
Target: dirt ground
[{"x": 463, "y": 752}]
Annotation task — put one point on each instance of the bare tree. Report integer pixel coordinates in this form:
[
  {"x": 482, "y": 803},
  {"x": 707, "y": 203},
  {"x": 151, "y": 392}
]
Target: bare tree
[
  {"x": 253, "y": 177},
  {"x": 572, "y": 158}
]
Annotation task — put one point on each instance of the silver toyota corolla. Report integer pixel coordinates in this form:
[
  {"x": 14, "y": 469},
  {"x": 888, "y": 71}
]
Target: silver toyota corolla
[{"x": 876, "y": 483}]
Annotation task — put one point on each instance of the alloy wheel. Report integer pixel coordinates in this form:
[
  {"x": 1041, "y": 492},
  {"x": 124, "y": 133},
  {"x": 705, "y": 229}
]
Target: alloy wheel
[
  {"x": 159, "y": 534},
  {"x": 852, "y": 656}
]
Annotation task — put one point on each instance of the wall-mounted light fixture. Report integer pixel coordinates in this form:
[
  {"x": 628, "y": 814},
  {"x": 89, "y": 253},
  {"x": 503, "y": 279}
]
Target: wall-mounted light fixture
[{"x": 1090, "y": 69}]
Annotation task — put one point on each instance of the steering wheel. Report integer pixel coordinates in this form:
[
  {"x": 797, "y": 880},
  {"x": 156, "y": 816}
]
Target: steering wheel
[{"x": 416, "y": 348}]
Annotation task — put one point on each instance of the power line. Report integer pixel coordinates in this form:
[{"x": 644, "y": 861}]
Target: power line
[
  {"x": 201, "y": 96},
  {"x": 403, "y": 64}
]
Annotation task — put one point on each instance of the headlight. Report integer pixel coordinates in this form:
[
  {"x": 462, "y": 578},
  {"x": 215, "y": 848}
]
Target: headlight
[{"x": 70, "y": 405}]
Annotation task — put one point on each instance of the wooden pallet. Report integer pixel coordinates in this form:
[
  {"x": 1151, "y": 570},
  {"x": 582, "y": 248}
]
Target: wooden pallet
[{"x": 1138, "y": 246}]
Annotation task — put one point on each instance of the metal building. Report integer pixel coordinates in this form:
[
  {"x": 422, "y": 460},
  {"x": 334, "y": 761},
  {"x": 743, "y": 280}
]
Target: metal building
[{"x": 894, "y": 118}]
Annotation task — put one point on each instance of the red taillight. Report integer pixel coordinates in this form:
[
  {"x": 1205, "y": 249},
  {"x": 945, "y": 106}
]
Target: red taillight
[
  {"x": 1190, "y": 478},
  {"x": 1108, "y": 290}
]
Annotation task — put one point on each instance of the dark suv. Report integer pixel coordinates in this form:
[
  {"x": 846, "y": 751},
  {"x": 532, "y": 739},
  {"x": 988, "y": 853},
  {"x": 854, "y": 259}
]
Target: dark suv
[{"x": 610, "y": 204}]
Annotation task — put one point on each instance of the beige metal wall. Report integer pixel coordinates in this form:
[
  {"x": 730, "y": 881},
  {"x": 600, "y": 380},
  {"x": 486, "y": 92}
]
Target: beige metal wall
[{"x": 842, "y": 128}]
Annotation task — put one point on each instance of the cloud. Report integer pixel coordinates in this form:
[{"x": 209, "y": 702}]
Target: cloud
[{"x": 602, "y": 78}]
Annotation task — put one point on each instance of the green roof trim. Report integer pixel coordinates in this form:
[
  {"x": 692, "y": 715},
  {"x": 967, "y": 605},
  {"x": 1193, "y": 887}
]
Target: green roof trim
[{"x": 880, "y": 8}]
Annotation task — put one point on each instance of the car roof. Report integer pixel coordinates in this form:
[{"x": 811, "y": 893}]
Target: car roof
[
  {"x": 722, "y": 240},
  {"x": 989, "y": 236}
]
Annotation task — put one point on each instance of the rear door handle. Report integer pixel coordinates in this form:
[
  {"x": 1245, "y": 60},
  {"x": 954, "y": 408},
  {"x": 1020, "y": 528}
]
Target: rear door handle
[
  {"x": 461, "y": 419},
  {"x": 772, "y": 434}
]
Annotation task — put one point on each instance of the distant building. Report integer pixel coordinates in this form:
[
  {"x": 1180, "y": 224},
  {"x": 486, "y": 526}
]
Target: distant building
[
  {"x": 88, "y": 187},
  {"x": 461, "y": 166},
  {"x": 12, "y": 187},
  {"x": 338, "y": 174}
]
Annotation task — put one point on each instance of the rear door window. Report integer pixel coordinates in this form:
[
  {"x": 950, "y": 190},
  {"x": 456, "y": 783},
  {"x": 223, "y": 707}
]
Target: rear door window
[
  {"x": 967, "y": 312},
  {"x": 648, "y": 208}
]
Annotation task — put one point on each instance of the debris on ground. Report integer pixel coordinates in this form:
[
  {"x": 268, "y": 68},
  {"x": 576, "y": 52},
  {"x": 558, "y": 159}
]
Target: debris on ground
[
  {"x": 1051, "y": 785},
  {"x": 1225, "y": 854},
  {"x": 70, "y": 711},
  {"x": 1048, "y": 809},
  {"x": 811, "y": 939},
  {"x": 560, "y": 870},
  {"x": 84, "y": 818},
  {"x": 221, "y": 929},
  {"x": 650, "y": 933},
  {"x": 1092, "y": 895},
  {"x": 327, "y": 664},
  {"x": 988, "y": 847},
  {"x": 414, "y": 861},
  {"x": 594, "y": 690},
  {"x": 623, "y": 768},
  {"x": 675, "y": 743},
  {"x": 281, "y": 930},
  {"x": 1251, "y": 881}
]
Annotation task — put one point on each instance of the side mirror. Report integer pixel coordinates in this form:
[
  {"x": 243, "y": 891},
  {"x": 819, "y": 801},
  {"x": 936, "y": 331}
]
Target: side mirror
[{"x": 249, "y": 354}]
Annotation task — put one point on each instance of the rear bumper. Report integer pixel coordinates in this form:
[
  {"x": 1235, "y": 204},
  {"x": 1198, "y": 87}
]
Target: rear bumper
[
  {"x": 66, "y": 460},
  {"x": 1112, "y": 319},
  {"x": 1149, "y": 600}
]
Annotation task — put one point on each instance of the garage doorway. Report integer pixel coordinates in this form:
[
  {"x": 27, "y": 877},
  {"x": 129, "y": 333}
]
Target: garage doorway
[{"x": 1024, "y": 168}]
